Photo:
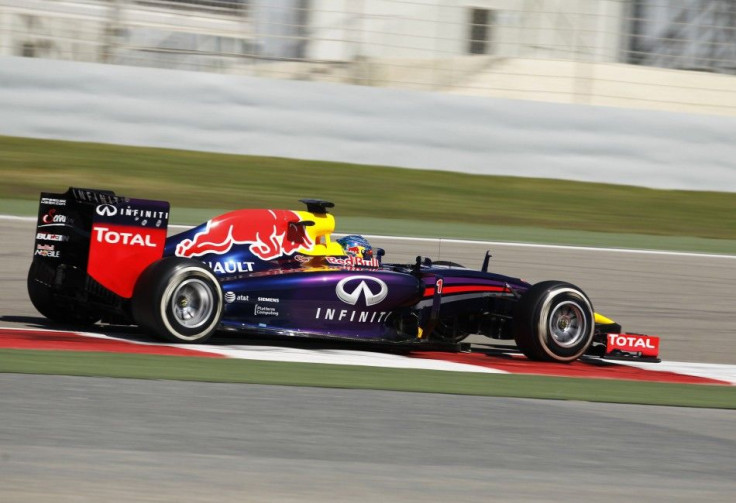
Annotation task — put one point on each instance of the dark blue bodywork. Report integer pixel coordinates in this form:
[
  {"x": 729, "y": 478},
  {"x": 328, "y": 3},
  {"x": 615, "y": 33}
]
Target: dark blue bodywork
[{"x": 328, "y": 296}]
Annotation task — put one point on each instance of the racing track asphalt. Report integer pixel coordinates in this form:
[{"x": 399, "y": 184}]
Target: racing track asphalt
[
  {"x": 96, "y": 439},
  {"x": 687, "y": 300},
  {"x": 70, "y": 439}
]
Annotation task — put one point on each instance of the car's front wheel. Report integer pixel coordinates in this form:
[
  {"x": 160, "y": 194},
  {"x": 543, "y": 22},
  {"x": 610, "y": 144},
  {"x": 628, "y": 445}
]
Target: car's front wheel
[
  {"x": 178, "y": 299},
  {"x": 554, "y": 321}
]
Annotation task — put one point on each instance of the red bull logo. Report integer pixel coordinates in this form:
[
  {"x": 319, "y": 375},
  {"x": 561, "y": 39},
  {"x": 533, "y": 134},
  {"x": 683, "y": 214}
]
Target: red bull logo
[
  {"x": 355, "y": 251},
  {"x": 270, "y": 233}
]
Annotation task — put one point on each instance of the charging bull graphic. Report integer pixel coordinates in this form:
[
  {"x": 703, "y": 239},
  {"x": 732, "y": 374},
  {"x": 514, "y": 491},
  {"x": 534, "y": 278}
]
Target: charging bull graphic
[{"x": 270, "y": 233}]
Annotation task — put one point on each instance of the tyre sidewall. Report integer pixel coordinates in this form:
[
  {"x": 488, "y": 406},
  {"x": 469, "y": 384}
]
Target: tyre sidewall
[
  {"x": 546, "y": 306},
  {"x": 176, "y": 329},
  {"x": 532, "y": 319},
  {"x": 152, "y": 306}
]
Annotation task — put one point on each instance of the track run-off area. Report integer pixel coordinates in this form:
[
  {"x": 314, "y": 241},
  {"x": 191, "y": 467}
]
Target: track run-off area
[
  {"x": 685, "y": 298},
  {"x": 484, "y": 359}
]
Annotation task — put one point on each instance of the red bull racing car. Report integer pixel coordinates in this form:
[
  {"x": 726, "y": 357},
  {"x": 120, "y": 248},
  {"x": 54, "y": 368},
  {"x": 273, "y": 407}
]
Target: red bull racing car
[{"x": 103, "y": 257}]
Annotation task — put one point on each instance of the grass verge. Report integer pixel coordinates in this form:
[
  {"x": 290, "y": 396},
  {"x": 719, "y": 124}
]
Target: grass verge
[
  {"x": 355, "y": 377},
  {"x": 445, "y": 200}
]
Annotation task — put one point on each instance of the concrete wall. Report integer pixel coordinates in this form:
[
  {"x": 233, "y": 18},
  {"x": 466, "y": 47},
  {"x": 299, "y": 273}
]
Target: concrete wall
[
  {"x": 245, "y": 115},
  {"x": 606, "y": 84}
]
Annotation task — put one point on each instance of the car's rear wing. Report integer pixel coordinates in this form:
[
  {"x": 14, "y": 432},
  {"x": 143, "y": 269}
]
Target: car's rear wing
[{"x": 112, "y": 238}]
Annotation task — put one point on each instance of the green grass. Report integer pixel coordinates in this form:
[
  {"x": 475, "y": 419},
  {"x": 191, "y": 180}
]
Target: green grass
[
  {"x": 438, "y": 203},
  {"x": 354, "y": 377}
]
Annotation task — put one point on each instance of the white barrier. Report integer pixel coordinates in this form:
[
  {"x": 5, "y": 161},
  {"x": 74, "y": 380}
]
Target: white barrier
[{"x": 333, "y": 122}]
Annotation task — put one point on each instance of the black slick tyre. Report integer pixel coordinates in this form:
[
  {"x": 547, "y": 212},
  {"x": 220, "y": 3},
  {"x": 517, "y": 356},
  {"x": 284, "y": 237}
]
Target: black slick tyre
[
  {"x": 178, "y": 299},
  {"x": 554, "y": 321}
]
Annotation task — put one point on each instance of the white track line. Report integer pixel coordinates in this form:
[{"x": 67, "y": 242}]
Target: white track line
[
  {"x": 557, "y": 247},
  {"x": 340, "y": 357},
  {"x": 491, "y": 243}
]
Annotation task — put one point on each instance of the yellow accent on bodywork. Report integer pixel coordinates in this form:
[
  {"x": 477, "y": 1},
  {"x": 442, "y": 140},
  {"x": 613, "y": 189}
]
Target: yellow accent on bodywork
[
  {"x": 324, "y": 226},
  {"x": 602, "y": 320}
]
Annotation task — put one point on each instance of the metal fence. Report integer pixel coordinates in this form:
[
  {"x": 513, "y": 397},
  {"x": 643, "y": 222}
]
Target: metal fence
[{"x": 666, "y": 54}]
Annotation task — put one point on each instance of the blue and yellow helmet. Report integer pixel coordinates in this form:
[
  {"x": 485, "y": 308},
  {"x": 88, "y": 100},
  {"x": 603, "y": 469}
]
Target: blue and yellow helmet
[{"x": 356, "y": 246}]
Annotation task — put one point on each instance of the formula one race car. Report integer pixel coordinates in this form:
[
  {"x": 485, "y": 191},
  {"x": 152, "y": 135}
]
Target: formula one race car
[{"x": 102, "y": 257}]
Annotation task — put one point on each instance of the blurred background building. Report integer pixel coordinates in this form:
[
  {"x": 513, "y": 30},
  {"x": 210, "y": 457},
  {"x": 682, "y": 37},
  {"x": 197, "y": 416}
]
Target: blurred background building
[{"x": 658, "y": 54}]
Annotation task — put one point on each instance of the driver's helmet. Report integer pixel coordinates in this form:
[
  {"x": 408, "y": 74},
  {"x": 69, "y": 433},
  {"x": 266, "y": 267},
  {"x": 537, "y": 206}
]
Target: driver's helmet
[{"x": 356, "y": 246}]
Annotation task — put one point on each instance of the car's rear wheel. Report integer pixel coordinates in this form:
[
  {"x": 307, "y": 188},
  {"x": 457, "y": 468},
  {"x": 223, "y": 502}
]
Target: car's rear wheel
[
  {"x": 554, "y": 321},
  {"x": 178, "y": 299}
]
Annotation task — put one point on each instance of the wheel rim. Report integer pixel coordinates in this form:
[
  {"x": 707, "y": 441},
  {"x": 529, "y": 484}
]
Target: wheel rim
[
  {"x": 192, "y": 303},
  {"x": 567, "y": 324}
]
